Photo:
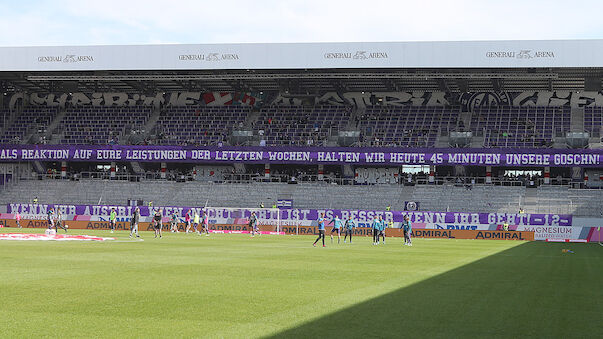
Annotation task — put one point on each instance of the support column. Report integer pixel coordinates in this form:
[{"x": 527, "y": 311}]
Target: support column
[
  {"x": 63, "y": 169},
  {"x": 112, "y": 170},
  {"x": 431, "y": 174},
  {"x": 585, "y": 179},
  {"x": 577, "y": 177},
  {"x": 547, "y": 175},
  {"x": 488, "y": 174},
  {"x": 267, "y": 171},
  {"x": 321, "y": 172},
  {"x": 163, "y": 170}
]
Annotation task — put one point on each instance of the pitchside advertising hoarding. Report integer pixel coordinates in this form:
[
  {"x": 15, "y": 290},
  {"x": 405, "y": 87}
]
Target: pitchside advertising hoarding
[
  {"x": 307, "y": 155},
  {"x": 303, "y": 221}
]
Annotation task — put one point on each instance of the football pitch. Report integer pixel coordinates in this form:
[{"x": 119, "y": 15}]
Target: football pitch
[{"x": 227, "y": 286}]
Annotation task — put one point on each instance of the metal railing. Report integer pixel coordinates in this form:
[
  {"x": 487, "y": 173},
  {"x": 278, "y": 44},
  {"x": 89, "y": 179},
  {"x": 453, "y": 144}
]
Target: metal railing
[{"x": 244, "y": 178}]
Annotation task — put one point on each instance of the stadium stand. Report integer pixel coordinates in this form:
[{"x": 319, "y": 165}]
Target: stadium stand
[
  {"x": 506, "y": 126},
  {"x": 101, "y": 125},
  {"x": 593, "y": 120},
  {"x": 560, "y": 199},
  {"x": 407, "y": 126},
  {"x": 31, "y": 119},
  {"x": 300, "y": 125},
  {"x": 198, "y": 125},
  {"x": 483, "y": 198}
]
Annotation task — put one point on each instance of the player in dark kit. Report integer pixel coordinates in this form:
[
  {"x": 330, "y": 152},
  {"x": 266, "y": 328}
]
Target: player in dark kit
[
  {"x": 349, "y": 229},
  {"x": 134, "y": 223},
  {"x": 321, "y": 230},
  {"x": 253, "y": 224},
  {"x": 376, "y": 228},
  {"x": 157, "y": 223},
  {"x": 50, "y": 219}
]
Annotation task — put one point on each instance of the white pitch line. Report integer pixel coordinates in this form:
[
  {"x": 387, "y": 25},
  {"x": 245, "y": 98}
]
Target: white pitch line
[{"x": 133, "y": 240}]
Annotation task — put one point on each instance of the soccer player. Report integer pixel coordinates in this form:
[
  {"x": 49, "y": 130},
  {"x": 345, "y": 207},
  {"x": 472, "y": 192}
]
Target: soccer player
[
  {"x": 134, "y": 222},
  {"x": 253, "y": 224},
  {"x": 174, "y": 223},
  {"x": 407, "y": 231},
  {"x": 376, "y": 227},
  {"x": 196, "y": 221},
  {"x": 187, "y": 220},
  {"x": 205, "y": 224},
  {"x": 59, "y": 222},
  {"x": 349, "y": 229},
  {"x": 336, "y": 228},
  {"x": 382, "y": 229},
  {"x": 18, "y": 219},
  {"x": 321, "y": 230},
  {"x": 51, "y": 219},
  {"x": 157, "y": 223},
  {"x": 112, "y": 219}
]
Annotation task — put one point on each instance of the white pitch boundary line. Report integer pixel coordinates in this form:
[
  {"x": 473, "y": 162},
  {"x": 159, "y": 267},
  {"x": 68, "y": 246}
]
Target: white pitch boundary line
[{"x": 133, "y": 240}]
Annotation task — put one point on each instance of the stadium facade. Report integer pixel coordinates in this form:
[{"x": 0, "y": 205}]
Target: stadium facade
[{"x": 517, "y": 124}]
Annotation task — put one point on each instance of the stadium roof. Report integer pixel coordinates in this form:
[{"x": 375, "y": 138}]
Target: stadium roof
[{"x": 307, "y": 67}]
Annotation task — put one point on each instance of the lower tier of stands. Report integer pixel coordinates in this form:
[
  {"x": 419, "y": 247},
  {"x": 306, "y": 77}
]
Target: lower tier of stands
[{"x": 312, "y": 195}]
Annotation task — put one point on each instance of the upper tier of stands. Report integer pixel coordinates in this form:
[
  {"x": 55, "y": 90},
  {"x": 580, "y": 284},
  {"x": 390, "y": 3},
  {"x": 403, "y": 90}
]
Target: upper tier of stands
[
  {"x": 593, "y": 120},
  {"x": 101, "y": 125},
  {"x": 31, "y": 118},
  {"x": 299, "y": 125},
  {"x": 406, "y": 126},
  {"x": 505, "y": 126},
  {"x": 403, "y": 126},
  {"x": 198, "y": 125}
]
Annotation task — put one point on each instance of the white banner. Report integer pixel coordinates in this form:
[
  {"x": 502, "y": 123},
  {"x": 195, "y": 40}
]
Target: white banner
[{"x": 466, "y": 54}]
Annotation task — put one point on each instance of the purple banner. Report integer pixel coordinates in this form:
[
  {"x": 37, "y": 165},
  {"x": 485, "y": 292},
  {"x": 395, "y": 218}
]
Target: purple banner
[
  {"x": 307, "y": 155},
  {"x": 296, "y": 216}
]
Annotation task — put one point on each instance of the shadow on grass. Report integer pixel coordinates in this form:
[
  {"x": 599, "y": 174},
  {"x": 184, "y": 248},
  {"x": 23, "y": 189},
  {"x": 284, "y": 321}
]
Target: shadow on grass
[{"x": 531, "y": 290}]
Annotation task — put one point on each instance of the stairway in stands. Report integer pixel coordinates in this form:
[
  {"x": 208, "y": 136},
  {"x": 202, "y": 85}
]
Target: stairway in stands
[{"x": 577, "y": 119}]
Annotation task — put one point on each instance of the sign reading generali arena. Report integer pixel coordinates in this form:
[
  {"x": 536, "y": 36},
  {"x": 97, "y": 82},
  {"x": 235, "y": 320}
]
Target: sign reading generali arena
[
  {"x": 454, "y": 54},
  {"x": 358, "y": 55},
  {"x": 208, "y": 57},
  {"x": 521, "y": 54},
  {"x": 67, "y": 58}
]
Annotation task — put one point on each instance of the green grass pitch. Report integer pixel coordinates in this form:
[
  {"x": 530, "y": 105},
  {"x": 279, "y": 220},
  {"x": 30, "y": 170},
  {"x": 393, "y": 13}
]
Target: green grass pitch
[{"x": 228, "y": 286}]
